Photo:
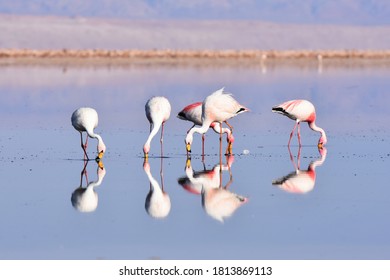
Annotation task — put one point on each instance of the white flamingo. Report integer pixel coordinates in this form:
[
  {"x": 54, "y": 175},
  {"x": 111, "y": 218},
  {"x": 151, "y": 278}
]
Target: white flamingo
[
  {"x": 158, "y": 111},
  {"x": 157, "y": 203},
  {"x": 86, "y": 119},
  {"x": 86, "y": 199}
]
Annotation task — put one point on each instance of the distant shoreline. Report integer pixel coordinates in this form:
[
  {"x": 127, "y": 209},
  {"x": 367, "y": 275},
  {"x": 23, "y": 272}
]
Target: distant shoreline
[{"x": 198, "y": 58}]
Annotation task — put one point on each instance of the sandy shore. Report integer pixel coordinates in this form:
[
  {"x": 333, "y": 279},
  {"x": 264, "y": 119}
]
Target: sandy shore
[{"x": 194, "y": 57}]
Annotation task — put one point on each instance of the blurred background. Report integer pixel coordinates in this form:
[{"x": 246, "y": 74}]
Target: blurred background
[{"x": 226, "y": 24}]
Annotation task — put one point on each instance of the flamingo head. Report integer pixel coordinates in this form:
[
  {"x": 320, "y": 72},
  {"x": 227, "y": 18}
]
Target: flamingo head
[
  {"x": 322, "y": 141},
  {"x": 101, "y": 148},
  {"x": 188, "y": 142},
  {"x": 146, "y": 150},
  {"x": 230, "y": 140},
  {"x": 146, "y": 165}
]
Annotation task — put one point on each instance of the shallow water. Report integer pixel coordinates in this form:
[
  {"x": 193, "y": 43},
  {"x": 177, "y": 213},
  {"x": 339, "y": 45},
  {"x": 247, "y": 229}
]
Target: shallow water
[{"x": 338, "y": 210}]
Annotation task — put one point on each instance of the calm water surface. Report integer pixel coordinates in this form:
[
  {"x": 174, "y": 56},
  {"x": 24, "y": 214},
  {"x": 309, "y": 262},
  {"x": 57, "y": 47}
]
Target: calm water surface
[{"x": 337, "y": 208}]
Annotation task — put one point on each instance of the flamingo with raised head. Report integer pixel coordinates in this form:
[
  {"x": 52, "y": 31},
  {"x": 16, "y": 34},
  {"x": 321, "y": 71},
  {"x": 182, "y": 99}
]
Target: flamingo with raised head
[
  {"x": 219, "y": 107},
  {"x": 301, "y": 111},
  {"x": 158, "y": 111},
  {"x": 193, "y": 113},
  {"x": 86, "y": 119}
]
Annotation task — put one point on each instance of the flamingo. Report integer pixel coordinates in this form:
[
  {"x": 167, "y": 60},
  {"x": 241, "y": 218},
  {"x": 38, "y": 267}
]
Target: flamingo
[
  {"x": 219, "y": 107},
  {"x": 193, "y": 113},
  {"x": 158, "y": 111},
  {"x": 157, "y": 203},
  {"x": 301, "y": 111},
  {"x": 86, "y": 199},
  {"x": 217, "y": 201},
  {"x": 301, "y": 181},
  {"x": 86, "y": 119}
]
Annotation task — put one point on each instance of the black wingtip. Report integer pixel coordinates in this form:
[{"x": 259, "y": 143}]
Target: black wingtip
[
  {"x": 241, "y": 110},
  {"x": 277, "y": 109}
]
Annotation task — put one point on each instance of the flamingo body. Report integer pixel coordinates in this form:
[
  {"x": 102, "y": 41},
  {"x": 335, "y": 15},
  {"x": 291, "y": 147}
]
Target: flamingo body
[
  {"x": 299, "y": 181},
  {"x": 86, "y": 119},
  {"x": 219, "y": 107},
  {"x": 301, "y": 111},
  {"x": 220, "y": 203},
  {"x": 158, "y": 111}
]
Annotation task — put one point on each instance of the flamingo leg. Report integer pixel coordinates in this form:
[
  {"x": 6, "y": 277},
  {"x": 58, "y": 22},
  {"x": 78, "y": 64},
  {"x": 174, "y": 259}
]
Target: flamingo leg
[
  {"x": 162, "y": 138},
  {"x": 162, "y": 174},
  {"x": 299, "y": 134},
  {"x": 220, "y": 145},
  {"x": 84, "y": 147},
  {"x": 229, "y": 163},
  {"x": 83, "y": 172},
  {"x": 299, "y": 158},
  {"x": 292, "y": 133},
  {"x": 203, "y": 137}
]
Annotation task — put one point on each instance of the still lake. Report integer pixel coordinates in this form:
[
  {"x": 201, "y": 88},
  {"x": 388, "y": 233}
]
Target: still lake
[{"x": 338, "y": 208}]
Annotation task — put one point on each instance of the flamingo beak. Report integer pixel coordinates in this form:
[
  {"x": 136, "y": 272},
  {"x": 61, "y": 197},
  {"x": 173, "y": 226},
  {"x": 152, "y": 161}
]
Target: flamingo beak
[
  {"x": 100, "y": 164},
  {"x": 146, "y": 155},
  {"x": 188, "y": 147},
  {"x": 99, "y": 156},
  {"x": 320, "y": 145},
  {"x": 188, "y": 163}
]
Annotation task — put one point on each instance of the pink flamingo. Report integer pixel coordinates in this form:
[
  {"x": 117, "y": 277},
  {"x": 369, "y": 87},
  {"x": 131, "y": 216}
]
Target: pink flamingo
[
  {"x": 301, "y": 181},
  {"x": 217, "y": 200},
  {"x": 193, "y": 113},
  {"x": 158, "y": 111},
  {"x": 301, "y": 111},
  {"x": 219, "y": 107}
]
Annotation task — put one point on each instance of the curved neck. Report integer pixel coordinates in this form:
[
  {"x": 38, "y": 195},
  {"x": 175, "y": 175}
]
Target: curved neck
[
  {"x": 94, "y": 135},
  {"x": 314, "y": 127},
  {"x": 152, "y": 133},
  {"x": 320, "y": 161},
  {"x": 154, "y": 185},
  {"x": 101, "y": 173},
  {"x": 201, "y": 130},
  {"x": 100, "y": 140}
]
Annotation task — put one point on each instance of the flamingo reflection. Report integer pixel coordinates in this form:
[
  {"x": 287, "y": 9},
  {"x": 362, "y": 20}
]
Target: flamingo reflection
[
  {"x": 157, "y": 203},
  {"x": 217, "y": 201},
  {"x": 86, "y": 199},
  {"x": 301, "y": 181}
]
